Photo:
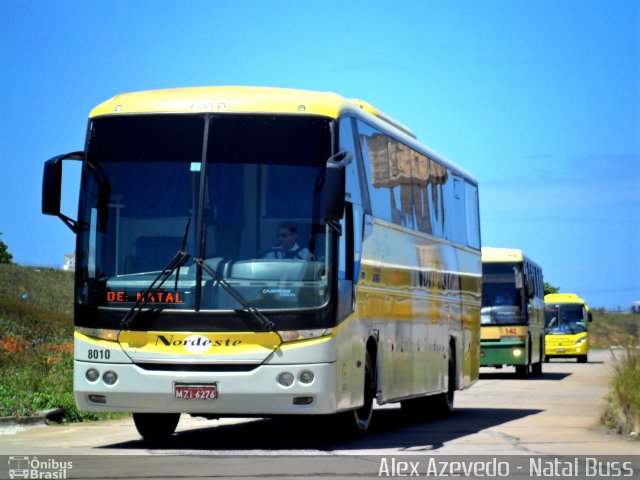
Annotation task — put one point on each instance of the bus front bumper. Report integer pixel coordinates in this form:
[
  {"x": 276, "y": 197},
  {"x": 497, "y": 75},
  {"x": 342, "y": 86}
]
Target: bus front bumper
[
  {"x": 252, "y": 393},
  {"x": 559, "y": 346},
  {"x": 494, "y": 354}
]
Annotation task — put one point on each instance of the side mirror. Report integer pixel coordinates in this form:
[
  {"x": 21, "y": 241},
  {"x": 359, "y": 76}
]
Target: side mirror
[
  {"x": 52, "y": 186},
  {"x": 590, "y": 316},
  {"x": 334, "y": 186}
]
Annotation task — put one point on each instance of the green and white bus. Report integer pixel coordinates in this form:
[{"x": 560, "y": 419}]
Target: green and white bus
[
  {"x": 512, "y": 311},
  {"x": 178, "y": 309}
]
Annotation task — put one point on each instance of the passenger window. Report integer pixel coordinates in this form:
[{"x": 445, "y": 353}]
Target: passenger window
[
  {"x": 400, "y": 178},
  {"x": 375, "y": 154},
  {"x": 473, "y": 220}
]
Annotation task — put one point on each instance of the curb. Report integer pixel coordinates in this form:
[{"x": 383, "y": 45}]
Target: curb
[{"x": 42, "y": 418}]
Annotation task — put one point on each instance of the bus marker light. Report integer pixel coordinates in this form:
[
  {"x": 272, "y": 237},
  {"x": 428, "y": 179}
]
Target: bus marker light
[
  {"x": 285, "y": 379},
  {"x": 302, "y": 400},
  {"x": 92, "y": 375},
  {"x": 306, "y": 377},
  {"x": 110, "y": 378},
  {"x": 97, "y": 399}
]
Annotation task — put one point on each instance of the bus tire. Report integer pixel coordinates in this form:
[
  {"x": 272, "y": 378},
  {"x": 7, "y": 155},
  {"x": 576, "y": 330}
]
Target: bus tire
[
  {"x": 522, "y": 371},
  {"x": 358, "y": 421},
  {"x": 536, "y": 368},
  {"x": 156, "y": 426},
  {"x": 582, "y": 359},
  {"x": 442, "y": 405}
]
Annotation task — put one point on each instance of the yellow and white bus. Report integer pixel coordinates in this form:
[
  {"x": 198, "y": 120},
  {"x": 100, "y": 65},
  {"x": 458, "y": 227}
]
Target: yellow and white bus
[
  {"x": 567, "y": 319},
  {"x": 512, "y": 311},
  {"x": 183, "y": 303}
]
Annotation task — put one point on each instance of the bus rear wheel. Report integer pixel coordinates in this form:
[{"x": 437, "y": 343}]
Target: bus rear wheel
[
  {"x": 156, "y": 426},
  {"x": 443, "y": 403}
]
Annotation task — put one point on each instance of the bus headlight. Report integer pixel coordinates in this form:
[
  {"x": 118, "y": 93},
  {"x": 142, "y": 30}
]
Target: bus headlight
[
  {"x": 580, "y": 340},
  {"x": 92, "y": 375},
  {"x": 306, "y": 377},
  {"x": 296, "y": 335},
  {"x": 101, "y": 333},
  {"x": 285, "y": 379},
  {"x": 110, "y": 378},
  {"x": 517, "y": 352}
]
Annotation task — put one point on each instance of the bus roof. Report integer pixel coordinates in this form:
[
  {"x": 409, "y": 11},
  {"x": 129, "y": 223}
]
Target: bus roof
[
  {"x": 238, "y": 100},
  {"x": 564, "y": 298},
  {"x": 510, "y": 255},
  {"x": 243, "y": 99}
]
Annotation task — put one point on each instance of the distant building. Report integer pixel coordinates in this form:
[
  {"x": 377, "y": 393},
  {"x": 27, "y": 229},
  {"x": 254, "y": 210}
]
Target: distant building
[
  {"x": 69, "y": 262},
  {"x": 635, "y": 307}
]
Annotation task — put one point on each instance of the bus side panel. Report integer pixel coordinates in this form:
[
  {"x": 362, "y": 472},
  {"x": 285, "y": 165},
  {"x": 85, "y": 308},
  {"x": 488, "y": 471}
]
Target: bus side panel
[
  {"x": 411, "y": 293},
  {"x": 470, "y": 266}
]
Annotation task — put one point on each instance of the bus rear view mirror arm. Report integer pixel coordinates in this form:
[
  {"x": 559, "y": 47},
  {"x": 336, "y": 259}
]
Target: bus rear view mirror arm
[
  {"x": 52, "y": 186},
  {"x": 335, "y": 186}
]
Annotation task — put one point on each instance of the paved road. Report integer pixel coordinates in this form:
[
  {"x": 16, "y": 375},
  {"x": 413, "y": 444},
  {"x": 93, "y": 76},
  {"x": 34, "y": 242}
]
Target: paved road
[{"x": 552, "y": 414}]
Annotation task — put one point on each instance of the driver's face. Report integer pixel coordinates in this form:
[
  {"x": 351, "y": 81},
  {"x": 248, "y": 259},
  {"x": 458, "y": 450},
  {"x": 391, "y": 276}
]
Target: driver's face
[{"x": 286, "y": 238}]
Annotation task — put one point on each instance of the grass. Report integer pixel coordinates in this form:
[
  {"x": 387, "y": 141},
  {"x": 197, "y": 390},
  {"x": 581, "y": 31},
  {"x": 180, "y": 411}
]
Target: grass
[
  {"x": 621, "y": 333},
  {"x": 622, "y": 412},
  {"x": 36, "y": 342},
  {"x": 610, "y": 329}
]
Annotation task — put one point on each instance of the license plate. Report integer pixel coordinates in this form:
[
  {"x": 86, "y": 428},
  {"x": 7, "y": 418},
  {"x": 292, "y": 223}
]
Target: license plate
[
  {"x": 559, "y": 350},
  {"x": 196, "y": 392}
]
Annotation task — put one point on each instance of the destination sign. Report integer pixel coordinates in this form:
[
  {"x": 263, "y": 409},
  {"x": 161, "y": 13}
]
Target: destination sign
[{"x": 158, "y": 297}]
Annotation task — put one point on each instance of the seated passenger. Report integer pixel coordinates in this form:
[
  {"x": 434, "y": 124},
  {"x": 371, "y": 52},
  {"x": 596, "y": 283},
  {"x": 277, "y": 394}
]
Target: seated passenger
[{"x": 287, "y": 244}]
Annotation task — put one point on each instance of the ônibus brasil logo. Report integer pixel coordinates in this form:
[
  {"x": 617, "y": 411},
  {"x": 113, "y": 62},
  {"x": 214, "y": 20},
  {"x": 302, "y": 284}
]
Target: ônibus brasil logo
[{"x": 27, "y": 467}]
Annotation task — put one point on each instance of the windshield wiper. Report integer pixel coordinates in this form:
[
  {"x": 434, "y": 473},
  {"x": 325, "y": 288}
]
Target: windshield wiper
[
  {"x": 256, "y": 314},
  {"x": 176, "y": 262}
]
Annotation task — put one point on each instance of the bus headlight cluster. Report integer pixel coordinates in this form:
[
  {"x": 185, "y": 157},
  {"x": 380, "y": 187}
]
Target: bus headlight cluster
[
  {"x": 286, "y": 379},
  {"x": 517, "y": 352},
  {"x": 109, "y": 378}
]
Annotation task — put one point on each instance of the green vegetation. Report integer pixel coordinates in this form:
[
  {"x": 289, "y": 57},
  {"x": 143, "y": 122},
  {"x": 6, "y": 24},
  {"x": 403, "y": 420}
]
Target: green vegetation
[
  {"x": 622, "y": 412},
  {"x": 609, "y": 330},
  {"x": 36, "y": 342},
  {"x": 5, "y": 256},
  {"x": 548, "y": 288}
]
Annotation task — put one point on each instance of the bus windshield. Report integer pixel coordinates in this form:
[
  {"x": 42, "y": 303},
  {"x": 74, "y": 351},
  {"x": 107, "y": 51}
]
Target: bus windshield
[
  {"x": 565, "y": 319},
  {"x": 224, "y": 189},
  {"x": 502, "y": 294}
]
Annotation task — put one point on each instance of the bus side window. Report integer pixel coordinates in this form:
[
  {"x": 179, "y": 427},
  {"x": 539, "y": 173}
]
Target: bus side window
[
  {"x": 357, "y": 198},
  {"x": 472, "y": 214},
  {"x": 457, "y": 219},
  {"x": 375, "y": 157}
]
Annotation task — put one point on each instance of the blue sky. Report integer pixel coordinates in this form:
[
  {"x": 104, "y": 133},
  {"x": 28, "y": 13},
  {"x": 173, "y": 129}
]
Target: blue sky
[{"x": 540, "y": 100}]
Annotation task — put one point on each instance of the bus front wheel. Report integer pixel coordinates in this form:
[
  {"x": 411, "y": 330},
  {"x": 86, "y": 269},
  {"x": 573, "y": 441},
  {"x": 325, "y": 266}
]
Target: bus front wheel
[
  {"x": 156, "y": 426},
  {"x": 357, "y": 421}
]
